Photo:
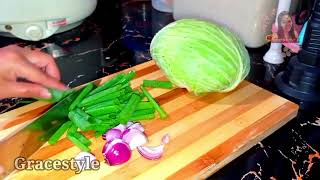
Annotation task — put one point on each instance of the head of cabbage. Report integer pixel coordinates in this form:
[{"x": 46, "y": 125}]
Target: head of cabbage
[{"x": 200, "y": 56}]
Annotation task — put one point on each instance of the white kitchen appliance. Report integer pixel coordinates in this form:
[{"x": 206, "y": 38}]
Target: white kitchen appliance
[
  {"x": 38, "y": 19},
  {"x": 251, "y": 20}
]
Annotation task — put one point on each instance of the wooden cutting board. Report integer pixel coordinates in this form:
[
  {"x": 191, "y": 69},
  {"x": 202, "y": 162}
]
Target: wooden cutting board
[{"x": 207, "y": 132}]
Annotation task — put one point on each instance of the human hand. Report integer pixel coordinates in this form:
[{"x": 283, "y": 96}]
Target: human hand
[{"x": 37, "y": 68}]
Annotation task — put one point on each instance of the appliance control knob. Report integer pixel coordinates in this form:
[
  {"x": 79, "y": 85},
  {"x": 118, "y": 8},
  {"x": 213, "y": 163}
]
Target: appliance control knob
[{"x": 34, "y": 32}]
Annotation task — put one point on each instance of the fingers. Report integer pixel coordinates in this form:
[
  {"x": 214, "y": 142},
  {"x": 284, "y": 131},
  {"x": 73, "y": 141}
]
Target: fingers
[
  {"x": 35, "y": 75},
  {"x": 20, "y": 89},
  {"x": 42, "y": 60},
  {"x": 22, "y": 63}
]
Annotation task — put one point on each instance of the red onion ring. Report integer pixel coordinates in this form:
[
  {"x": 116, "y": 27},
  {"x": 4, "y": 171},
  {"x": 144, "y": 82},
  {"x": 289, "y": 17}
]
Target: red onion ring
[{"x": 116, "y": 152}]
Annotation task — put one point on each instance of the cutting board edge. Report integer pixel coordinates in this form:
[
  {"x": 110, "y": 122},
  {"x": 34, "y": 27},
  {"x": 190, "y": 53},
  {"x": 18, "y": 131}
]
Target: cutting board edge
[{"x": 243, "y": 149}]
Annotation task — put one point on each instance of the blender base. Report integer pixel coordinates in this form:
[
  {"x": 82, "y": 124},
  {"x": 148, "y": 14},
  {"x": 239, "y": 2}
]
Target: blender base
[{"x": 300, "y": 81}]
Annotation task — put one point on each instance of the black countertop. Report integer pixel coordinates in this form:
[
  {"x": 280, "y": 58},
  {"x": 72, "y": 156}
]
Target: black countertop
[{"x": 118, "y": 35}]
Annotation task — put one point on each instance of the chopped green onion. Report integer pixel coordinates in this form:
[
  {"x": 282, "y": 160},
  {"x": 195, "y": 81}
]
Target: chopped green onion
[
  {"x": 158, "y": 108},
  {"x": 78, "y": 143},
  {"x": 99, "y": 133},
  {"x": 56, "y": 95},
  {"x": 144, "y": 105},
  {"x": 125, "y": 86},
  {"x": 51, "y": 131},
  {"x": 84, "y": 92},
  {"x": 157, "y": 84},
  {"x": 73, "y": 128},
  {"x": 80, "y": 119},
  {"x": 108, "y": 84},
  {"x": 128, "y": 89},
  {"x": 141, "y": 95},
  {"x": 141, "y": 105},
  {"x": 95, "y": 120},
  {"x": 103, "y": 126},
  {"x": 104, "y": 104},
  {"x": 103, "y": 110},
  {"x": 57, "y": 135},
  {"x": 113, "y": 103},
  {"x": 125, "y": 97},
  {"x": 143, "y": 112},
  {"x": 142, "y": 117},
  {"x": 108, "y": 97},
  {"x": 104, "y": 93},
  {"x": 108, "y": 116},
  {"x": 128, "y": 77},
  {"x": 129, "y": 108},
  {"x": 84, "y": 140}
]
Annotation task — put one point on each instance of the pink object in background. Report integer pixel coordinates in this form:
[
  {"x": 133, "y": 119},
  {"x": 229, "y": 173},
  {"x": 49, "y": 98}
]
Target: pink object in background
[
  {"x": 293, "y": 46},
  {"x": 296, "y": 26}
]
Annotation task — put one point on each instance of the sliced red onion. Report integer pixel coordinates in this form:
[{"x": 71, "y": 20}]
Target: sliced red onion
[
  {"x": 112, "y": 134},
  {"x": 121, "y": 127},
  {"x": 154, "y": 152},
  {"x": 137, "y": 126},
  {"x": 134, "y": 138},
  {"x": 82, "y": 158},
  {"x": 165, "y": 139},
  {"x": 116, "y": 152},
  {"x": 151, "y": 152},
  {"x": 129, "y": 123}
]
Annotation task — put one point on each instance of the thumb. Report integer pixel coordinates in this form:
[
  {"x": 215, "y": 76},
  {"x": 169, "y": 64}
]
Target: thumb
[{"x": 22, "y": 89}]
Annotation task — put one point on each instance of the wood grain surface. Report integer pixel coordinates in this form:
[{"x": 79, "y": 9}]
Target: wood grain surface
[{"x": 207, "y": 132}]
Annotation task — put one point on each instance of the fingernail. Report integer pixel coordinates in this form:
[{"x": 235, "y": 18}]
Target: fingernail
[
  {"x": 45, "y": 93},
  {"x": 64, "y": 87}
]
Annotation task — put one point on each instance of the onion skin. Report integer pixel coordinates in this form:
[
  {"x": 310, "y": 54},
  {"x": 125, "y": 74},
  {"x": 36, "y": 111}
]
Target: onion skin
[
  {"x": 137, "y": 126},
  {"x": 154, "y": 152},
  {"x": 116, "y": 152},
  {"x": 121, "y": 127},
  {"x": 112, "y": 134},
  {"x": 165, "y": 139},
  {"x": 130, "y": 123},
  {"x": 134, "y": 138},
  {"x": 151, "y": 152}
]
